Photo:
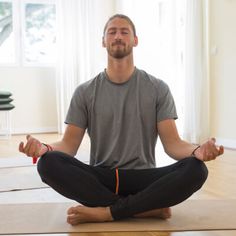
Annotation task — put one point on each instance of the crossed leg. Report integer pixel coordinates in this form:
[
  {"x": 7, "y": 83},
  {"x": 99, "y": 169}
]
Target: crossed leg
[{"x": 143, "y": 193}]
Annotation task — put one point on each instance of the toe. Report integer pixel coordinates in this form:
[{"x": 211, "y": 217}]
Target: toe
[{"x": 71, "y": 210}]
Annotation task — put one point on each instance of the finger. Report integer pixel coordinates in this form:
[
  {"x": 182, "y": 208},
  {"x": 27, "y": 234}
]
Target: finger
[
  {"x": 33, "y": 148},
  {"x": 28, "y": 146},
  {"x": 218, "y": 150},
  {"x": 215, "y": 152},
  {"x": 213, "y": 140},
  {"x": 213, "y": 143},
  {"x": 221, "y": 150},
  {"x": 21, "y": 147},
  {"x": 28, "y": 137},
  {"x": 210, "y": 143},
  {"x": 212, "y": 148}
]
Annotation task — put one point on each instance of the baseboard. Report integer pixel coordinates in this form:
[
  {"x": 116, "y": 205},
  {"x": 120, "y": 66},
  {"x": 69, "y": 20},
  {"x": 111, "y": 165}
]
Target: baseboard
[
  {"x": 227, "y": 143},
  {"x": 34, "y": 130}
]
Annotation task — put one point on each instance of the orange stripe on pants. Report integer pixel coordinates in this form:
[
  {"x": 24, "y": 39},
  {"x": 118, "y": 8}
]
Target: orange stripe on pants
[{"x": 117, "y": 181}]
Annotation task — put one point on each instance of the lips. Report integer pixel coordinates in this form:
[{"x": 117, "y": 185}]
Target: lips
[{"x": 118, "y": 44}]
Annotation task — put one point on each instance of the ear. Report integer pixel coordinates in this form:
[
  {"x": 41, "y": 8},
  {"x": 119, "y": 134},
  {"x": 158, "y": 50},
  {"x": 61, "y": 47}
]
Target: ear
[
  {"x": 103, "y": 42},
  {"x": 135, "y": 41}
]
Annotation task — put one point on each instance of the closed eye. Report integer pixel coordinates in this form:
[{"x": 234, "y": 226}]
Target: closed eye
[{"x": 112, "y": 32}]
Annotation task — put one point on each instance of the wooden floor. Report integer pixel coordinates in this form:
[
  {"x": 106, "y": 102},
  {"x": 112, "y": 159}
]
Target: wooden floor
[{"x": 220, "y": 185}]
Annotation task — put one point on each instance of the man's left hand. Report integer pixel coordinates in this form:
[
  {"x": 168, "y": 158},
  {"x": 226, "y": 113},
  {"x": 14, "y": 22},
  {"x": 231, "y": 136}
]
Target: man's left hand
[{"x": 209, "y": 151}]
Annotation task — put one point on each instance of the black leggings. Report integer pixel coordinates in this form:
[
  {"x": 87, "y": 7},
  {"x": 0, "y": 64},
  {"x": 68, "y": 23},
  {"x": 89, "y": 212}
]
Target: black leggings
[{"x": 139, "y": 190}]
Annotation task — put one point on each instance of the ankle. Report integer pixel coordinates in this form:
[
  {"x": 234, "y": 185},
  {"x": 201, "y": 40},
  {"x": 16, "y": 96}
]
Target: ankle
[{"x": 107, "y": 214}]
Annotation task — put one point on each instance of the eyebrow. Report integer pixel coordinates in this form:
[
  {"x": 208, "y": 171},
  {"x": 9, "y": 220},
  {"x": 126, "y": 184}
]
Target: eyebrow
[{"x": 115, "y": 28}]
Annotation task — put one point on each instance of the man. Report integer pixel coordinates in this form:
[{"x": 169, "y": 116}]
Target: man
[{"x": 124, "y": 109}]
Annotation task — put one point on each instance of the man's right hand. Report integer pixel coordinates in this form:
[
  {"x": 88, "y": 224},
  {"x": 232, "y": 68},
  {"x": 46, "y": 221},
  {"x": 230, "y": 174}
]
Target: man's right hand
[{"x": 33, "y": 147}]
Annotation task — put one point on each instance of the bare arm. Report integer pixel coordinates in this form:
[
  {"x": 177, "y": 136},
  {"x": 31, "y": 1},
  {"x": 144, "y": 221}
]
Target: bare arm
[
  {"x": 178, "y": 149},
  {"x": 69, "y": 144}
]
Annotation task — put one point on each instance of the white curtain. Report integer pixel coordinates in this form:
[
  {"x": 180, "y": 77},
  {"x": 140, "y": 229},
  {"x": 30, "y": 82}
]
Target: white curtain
[
  {"x": 173, "y": 46},
  {"x": 79, "y": 39},
  {"x": 196, "y": 105}
]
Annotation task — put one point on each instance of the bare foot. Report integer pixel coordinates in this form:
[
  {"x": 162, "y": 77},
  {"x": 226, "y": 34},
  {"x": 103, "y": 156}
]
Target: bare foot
[
  {"x": 82, "y": 214},
  {"x": 163, "y": 213}
]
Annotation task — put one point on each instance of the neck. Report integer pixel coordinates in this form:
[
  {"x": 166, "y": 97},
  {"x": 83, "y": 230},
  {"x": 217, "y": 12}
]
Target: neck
[{"x": 120, "y": 70}]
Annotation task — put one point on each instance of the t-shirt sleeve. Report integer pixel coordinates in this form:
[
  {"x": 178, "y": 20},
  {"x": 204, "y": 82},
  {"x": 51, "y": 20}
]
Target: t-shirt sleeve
[
  {"x": 77, "y": 113},
  {"x": 165, "y": 103}
]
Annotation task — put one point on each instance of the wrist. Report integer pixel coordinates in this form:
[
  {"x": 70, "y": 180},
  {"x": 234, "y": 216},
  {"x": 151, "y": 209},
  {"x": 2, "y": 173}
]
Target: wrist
[
  {"x": 48, "y": 147},
  {"x": 195, "y": 150}
]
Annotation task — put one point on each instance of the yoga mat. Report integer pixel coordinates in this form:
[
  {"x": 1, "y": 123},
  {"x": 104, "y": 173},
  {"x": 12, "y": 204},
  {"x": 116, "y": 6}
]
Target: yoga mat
[
  {"x": 21, "y": 161},
  {"x": 18, "y": 178},
  {"x": 6, "y": 162},
  {"x": 191, "y": 215},
  {"x": 47, "y": 195}
]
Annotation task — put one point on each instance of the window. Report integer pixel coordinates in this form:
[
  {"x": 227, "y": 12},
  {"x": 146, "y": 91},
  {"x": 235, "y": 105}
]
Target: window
[
  {"x": 27, "y": 32},
  {"x": 7, "y": 52},
  {"x": 39, "y": 33}
]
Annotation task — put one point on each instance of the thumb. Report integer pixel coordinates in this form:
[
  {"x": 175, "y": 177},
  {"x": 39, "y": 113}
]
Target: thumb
[{"x": 221, "y": 150}]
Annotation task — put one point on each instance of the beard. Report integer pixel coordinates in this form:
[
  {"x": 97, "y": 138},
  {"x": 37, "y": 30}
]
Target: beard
[{"x": 119, "y": 50}]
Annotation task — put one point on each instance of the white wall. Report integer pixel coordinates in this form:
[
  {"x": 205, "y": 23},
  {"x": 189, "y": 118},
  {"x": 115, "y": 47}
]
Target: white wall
[
  {"x": 34, "y": 94},
  {"x": 223, "y": 70}
]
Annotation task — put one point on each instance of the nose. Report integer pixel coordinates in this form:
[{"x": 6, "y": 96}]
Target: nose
[{"x": 118, "y": 35}]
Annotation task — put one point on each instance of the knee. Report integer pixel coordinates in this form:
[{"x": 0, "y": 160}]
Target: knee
[
  {"x": 197, "y": 171},
  {"x": 46, "y": 164}
]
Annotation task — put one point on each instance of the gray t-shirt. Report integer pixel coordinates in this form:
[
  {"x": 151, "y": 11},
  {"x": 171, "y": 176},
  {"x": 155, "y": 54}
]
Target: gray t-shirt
[{"x": 121, "y": 119}]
